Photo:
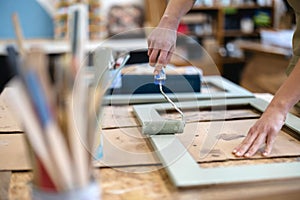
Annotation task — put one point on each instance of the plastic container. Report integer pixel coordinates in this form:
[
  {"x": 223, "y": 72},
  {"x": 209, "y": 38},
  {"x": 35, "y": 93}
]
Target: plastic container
[
  {"x": 91, "y": 192},
  {"x": 282, "y": 38}
]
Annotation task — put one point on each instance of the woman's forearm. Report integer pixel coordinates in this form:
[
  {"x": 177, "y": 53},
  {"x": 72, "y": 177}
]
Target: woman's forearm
[
  {"x": 173, "y": 13},
  {"x": 288, "y": 94}
]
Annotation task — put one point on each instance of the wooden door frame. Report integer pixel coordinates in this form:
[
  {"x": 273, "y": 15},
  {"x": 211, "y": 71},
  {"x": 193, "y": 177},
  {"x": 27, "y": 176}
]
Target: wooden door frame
[{"x": 184, "y": 171}]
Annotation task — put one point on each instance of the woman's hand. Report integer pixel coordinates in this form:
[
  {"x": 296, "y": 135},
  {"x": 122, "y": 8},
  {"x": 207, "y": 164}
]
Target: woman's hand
[
  {"x": 264, "y": 131},
  {"x": 162, "y": 42},
  {"x": 161, "y": 45}
]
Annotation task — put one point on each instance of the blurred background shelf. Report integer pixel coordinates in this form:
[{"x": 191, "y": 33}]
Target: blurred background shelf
[{"x": 225, "y": 25}]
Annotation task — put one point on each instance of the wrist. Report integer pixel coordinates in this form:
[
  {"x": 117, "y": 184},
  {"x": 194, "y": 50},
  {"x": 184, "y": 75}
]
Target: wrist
[
  {"x": 169, "y": 22},
  {"x": 279, "y": 108}
]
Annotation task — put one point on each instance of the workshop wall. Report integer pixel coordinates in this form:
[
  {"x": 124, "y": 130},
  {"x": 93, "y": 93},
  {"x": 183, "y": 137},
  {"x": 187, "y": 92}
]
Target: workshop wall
[{"x": 35, "y": 21}]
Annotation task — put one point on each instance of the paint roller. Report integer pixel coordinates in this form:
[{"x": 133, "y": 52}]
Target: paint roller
[{"x": 169, "y": 126}]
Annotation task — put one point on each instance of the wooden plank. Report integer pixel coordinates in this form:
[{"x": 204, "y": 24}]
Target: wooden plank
[
  {"x": 8, "y": 123},
  {"x": 14, "y": 152},
  {"x": 19, "y": 185},
  {"x": 128, "y": 147},
  {"x": 122, "y": 116},
  {"x": 125, "y": 147},
  {"x": 175, "y": 157},
  {"x": 118, "y": 117},
  {"x": 212, "y": 115},
  {"x": 4, "y": 184},
  {"x": 184, "y": 171}
]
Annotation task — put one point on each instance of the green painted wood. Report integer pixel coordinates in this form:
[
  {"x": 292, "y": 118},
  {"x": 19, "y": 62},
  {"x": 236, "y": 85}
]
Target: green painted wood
[
  {"x": 153, "y": 123},
  {"x": 184, "y": 170}
]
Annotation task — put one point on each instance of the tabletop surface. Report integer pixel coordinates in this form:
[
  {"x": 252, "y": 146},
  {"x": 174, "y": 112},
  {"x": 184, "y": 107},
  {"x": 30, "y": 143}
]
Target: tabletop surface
[{"x": 152, "y": 182}]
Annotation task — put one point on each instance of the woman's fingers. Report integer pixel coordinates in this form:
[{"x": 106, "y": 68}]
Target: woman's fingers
[
  {"x": 160, "y": 58},
  {"x": 161, "y": 43},
  {"x": 170, "y": 53},
  {"x": 269, "y": 145},
  {"x": 149, "y": 51},
  {"x": 246, "y": 144},
  {"x": 256, "y": 144},
  {"x": 264, "y": 131},
  {"x": 252, "y": 143},
  {"x": 153, "y": 57}
]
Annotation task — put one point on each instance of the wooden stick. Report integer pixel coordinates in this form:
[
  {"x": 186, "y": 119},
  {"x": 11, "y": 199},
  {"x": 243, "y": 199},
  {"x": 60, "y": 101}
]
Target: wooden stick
[
  {"x": 77, "y": 106},
  {"x": 55, "y": 142},
  {"x": 34, "y": 132},
  {"x": 19, "y": 35}
]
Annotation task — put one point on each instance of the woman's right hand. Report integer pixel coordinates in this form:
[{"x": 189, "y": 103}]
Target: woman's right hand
[
  {"x": 264, "y": 131},
  {"x": 161, "y": 44}
]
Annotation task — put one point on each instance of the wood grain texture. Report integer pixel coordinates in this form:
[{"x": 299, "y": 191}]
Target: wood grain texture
[
  {"x": 8, "y": 123},
  {"x": 206, "y": 141},
  {"x": 123, "y": 116},
  {"x": 20, "y": 185},
  {"x": 14, "y": 152},
  {"x": 4, "y": 184},
  {"x": 118, "y": 117},
  {"x": 126, "y": 183}
]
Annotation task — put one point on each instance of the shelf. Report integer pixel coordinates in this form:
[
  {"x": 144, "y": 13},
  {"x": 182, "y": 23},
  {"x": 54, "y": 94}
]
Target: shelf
[
  {"x": 239, "y": 33},
  {"x": 264, "y": 48},
  {"x": 200, "y": 35},
  {"x": 194, "y": 19},
  {"x": 230, "y": 60},
  {"x": 220, "y": 17},
  {"x": 245, "y": 7},
  {"x": 215, "y": 8}
]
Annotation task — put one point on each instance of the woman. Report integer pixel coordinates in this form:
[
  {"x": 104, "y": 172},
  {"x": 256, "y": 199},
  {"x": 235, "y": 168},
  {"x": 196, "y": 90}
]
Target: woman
[{"x": 161, "y": 43}]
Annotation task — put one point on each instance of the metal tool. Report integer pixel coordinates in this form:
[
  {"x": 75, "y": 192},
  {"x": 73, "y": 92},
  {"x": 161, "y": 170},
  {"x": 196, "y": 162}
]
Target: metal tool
[{"x": 160, "y": 80}]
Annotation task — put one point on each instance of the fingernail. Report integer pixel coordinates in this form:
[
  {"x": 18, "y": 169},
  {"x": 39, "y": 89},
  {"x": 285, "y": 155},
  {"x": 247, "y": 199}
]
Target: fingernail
[
  {"x": 159, "y": 66},
  {"x": 265, "y": 153},
  {"x": 247, "y": 155},
  {"x": 238, "y": 153},
  {"x": 234, "y": 151}
]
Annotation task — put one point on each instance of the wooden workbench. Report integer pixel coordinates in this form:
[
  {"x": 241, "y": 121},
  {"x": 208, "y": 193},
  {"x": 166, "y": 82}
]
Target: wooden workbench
[
  {"x": 265, "y": 67},
  {"x": 152, "y": 182},
  {"x": 118, "y": 185}
]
